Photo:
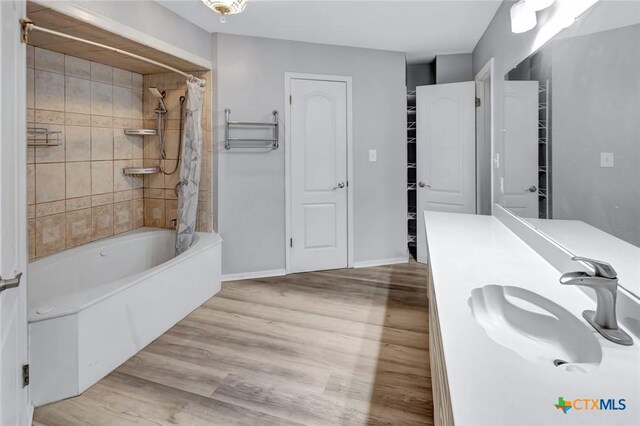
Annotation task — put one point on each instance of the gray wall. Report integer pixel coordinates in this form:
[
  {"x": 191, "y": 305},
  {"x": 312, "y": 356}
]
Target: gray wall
[
  {"x": 151, "y": 18},
  {"x": 251, "y": 186},
  {"x": 420, "y": 75},
  {"x": 598, "y": 112},
  {"x": 507, "y": 49},
  {"x": 454, "y": 68}
]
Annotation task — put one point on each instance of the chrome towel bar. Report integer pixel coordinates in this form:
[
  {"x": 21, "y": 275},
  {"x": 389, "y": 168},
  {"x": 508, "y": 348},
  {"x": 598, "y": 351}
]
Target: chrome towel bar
[{"x": 229, "y": 125}]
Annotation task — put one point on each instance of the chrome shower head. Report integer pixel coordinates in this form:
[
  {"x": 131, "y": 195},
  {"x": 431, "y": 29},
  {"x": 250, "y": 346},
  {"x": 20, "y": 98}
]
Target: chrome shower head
[{"x": 158, "y": 95}]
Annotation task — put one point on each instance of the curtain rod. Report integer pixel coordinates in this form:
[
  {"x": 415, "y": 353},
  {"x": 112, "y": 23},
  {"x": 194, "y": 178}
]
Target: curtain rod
[{"x": 28, "y": 25}]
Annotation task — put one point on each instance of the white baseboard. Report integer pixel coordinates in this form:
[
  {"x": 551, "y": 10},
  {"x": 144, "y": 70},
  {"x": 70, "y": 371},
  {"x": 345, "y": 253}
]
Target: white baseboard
[
  {"x": 380, "y": 262},
  {"x": 251, "y": 275}
]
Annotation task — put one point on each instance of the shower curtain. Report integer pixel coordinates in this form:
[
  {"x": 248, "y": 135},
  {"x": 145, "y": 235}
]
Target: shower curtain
[{"x": 190, "y": 166}]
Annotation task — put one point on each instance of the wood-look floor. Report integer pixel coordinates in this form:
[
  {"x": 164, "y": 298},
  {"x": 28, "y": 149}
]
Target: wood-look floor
[{"x": 347, "y": 347}]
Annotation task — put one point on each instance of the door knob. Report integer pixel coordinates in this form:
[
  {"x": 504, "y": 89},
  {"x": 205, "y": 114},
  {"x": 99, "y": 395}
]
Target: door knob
[
  {"x": 532, "y": 188},
  {"x": 423, "y": 185},
  {"x": 340, "y": 185}
]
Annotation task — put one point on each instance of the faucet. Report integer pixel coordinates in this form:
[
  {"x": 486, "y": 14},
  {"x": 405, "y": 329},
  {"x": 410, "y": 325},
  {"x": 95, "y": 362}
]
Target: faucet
[{"x": 604, "y": 281}]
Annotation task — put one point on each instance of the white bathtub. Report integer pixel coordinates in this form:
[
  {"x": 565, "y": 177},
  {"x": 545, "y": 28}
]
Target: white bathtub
[{"x": 94, "y": 306}]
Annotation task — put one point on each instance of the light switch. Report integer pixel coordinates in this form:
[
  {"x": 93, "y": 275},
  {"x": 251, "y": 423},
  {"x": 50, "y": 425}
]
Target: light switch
[
  {"x": 373, "y": 156},
  {"x": 606, "y": 159}
]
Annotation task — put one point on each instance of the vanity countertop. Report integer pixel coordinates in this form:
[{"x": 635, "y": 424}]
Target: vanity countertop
[{"x": 489, "y": 383}]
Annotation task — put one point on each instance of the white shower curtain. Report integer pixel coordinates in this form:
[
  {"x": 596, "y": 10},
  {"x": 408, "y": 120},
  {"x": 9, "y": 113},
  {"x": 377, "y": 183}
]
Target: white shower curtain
[{"x": 190, "y": 166}]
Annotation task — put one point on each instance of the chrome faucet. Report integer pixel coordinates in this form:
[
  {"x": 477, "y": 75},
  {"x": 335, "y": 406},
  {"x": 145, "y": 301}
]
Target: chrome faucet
[{"x": 604, "y": 282}]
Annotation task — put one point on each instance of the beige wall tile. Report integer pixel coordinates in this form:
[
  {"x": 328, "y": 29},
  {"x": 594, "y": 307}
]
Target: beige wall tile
[
  {"x": 101, "y": 143},
  {"x": 73, "y": 119},
  {"x": 49, "y": 117},
  {"x": 51, "y": 154},
  {"x": 48, "y": 60},
  {"x": 122, "y": 102},
  {"x": 78, "y": 143},
  {"x": 47, "y": 209},
  {"x": 78, "y": 179},
  {"x": 77, "y": 95},
  {"x": 31, "y": 229},
  {"x": 171, "y": 207},
  {"x": 50, "y": 182},
  {"x": 78, "y": 203},
  {"x": 78, "y": 227},
  {"x": 122, "y": 77},
  {"x": 101, "y": 73},
  {"x": 31, "y": 212},
  {"x": 121, "y": 182},
  {"x": 102, "y": 222},
  {"x": 31, "y": 184},
  {"x": 31, "y": 89},
  {"x": 49, "y": 91},
  {"x": 101, "y": 177},
  {"x": 31, "y": 56},
  {"x": 155, "y": 213},
  {"x": 122, "y": 217},
  {"x": 101, "y": 98},
  {"x": 77, "y": 67},
  {"x": 122, "y": 146},
  {"x": 137, "y": 104},
  {"x": 121, "y": 196},
  {"x": 102, "y": 199},
  {"x": 101, "y": 121},
  {"x": 50, "y": 234},
  {"x": 138, "y": 213},
  {"x": 136, "y": 81}
]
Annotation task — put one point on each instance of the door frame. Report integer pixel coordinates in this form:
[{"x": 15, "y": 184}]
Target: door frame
[
  {"x": 487, "y": 74},
  {"x": 13, "y": 129},
  {"x": 288, "y": 76}
]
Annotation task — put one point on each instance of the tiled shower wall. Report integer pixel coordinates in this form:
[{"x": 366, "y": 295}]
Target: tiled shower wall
[
  {"x": 160, "y": 201},
  {"x": 76, "y": 191}
]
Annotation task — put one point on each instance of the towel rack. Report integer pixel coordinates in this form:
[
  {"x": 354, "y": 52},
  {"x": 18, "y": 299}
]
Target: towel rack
[
  {"x": 40, "y": 136},
  {"x": 273, "y": 141}
]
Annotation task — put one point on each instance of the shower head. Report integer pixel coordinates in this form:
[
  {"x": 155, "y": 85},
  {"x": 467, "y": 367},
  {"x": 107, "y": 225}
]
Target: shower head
[{"x": 158, "y": 95}]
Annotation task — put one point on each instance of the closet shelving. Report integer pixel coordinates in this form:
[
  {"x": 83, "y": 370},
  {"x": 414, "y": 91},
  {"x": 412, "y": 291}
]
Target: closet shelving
[
  {"x": 543, "y": 151},
  {"x": 411, "y": 172}
]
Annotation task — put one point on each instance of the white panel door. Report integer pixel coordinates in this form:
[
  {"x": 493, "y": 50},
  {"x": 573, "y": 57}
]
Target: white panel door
[
  {"x": 319, "y": 185},
  {"x": 446, "y": 156},
  {"x": 14, "y": 400},
  {"x": 521, "y": 147}
]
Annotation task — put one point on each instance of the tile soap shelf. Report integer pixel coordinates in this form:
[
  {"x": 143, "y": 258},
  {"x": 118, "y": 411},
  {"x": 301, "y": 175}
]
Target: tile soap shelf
[
  {"x": 141, "y": 170},
  {"x": 40, "y": 136},
  {"x": 140, "y": 132}
]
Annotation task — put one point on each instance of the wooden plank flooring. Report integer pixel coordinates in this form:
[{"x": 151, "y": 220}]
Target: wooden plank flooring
[{"x": 347, "y": 347}]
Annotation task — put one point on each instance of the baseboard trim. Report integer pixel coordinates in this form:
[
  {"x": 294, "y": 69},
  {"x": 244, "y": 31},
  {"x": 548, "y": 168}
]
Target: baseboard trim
[
  {"x": 380, "y": 262},
  {"x": 252, "y": 275}
]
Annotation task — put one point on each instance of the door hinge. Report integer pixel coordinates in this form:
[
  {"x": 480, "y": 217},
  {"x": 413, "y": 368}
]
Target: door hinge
[
  {"x": 290, "y": 99},
  {"x": 25, "y": 375},
  {"x": 478, "y": 102},
  {"x": 290, "y": 242},
  {"x": 10, "y": 283}
]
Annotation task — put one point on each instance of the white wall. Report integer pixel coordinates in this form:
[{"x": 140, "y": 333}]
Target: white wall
[
  {"x": 251, "y": 190},
  {"x": 597, "y": 112},
  {"x": 454, "y": 68}
]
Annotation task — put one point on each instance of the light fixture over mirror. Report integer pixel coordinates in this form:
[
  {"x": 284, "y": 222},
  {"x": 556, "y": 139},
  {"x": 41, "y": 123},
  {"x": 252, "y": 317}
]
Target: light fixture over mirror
[
  {"x": 523, "y": 17},
  {"x": 226, "y": 7}
]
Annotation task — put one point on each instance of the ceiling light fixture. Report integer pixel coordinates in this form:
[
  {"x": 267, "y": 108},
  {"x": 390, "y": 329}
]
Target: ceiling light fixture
[
  {"x": 523, "y": 17},
  {"x": 538, "y": 5},
  {"x": 225, "y": 7}
]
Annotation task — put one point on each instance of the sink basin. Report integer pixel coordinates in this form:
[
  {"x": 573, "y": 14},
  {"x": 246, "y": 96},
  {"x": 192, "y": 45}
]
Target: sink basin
[{"x": 535, "y": 328}]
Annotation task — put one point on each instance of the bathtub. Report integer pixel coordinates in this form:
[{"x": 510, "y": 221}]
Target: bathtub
[{"x": 92, "y": 307}]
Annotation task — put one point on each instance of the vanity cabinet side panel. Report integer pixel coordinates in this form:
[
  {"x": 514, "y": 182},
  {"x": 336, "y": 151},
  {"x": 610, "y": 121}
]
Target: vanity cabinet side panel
[{"x": 442, "y": 411}]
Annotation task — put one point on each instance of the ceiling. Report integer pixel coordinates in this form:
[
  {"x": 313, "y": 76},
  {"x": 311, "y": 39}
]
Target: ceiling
[
  {"x": 53, "y": 20},
  {"x": 421, "y": 28}
]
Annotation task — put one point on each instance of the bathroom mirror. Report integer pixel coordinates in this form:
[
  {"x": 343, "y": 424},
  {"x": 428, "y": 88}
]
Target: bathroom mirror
[{"x": 572, "y": 138}]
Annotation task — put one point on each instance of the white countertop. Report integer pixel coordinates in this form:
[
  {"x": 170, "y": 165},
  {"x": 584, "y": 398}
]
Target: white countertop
[
  {"x": 585, "y": 240},
  {"x": 489, "y": 383}
]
